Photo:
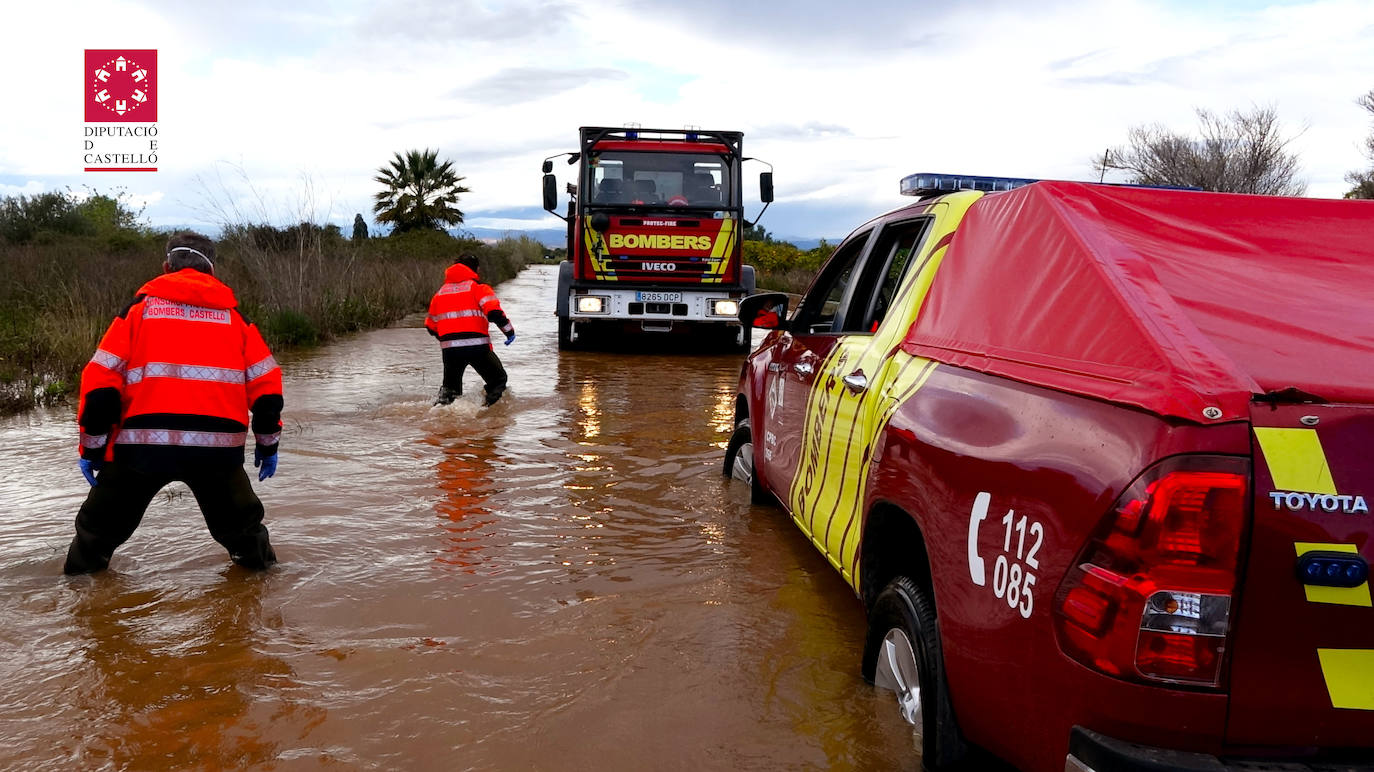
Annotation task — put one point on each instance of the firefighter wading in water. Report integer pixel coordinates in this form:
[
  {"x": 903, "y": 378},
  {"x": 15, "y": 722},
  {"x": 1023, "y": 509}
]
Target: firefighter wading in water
[
  {"x": 166, "y": 397},
  {"x": 458, "y": 317}
]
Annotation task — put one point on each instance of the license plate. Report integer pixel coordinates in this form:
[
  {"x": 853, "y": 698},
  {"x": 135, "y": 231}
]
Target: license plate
[{"x": 659, "y": 297}]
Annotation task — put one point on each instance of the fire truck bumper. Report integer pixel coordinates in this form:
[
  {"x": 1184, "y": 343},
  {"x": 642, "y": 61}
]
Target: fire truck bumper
[{"x": 655, "y": 307}]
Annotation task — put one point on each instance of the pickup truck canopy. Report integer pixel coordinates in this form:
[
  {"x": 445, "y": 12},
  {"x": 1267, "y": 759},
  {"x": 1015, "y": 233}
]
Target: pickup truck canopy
[{"x": 1172, "y": 301}]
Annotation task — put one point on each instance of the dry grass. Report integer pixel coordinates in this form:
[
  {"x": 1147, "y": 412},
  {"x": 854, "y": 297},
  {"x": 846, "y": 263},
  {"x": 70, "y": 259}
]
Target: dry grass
[{"x": 302, "y": 288}]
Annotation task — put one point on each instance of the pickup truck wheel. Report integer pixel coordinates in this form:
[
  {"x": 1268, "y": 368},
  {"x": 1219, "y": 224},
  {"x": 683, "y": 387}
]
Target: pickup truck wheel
[
  {"x": 739, "y": 463},
  {"x": 903, "y": 654}
]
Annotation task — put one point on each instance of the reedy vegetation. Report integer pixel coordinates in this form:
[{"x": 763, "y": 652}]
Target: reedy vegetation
[{"x": 63, "y": 277}]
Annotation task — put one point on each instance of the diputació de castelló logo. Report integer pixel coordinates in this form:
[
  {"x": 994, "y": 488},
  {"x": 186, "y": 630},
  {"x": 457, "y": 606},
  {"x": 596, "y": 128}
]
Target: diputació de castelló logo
[{"x": 120, "y": 88}]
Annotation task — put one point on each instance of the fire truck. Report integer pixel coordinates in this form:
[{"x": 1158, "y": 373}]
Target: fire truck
[{"x": 654, "y": 230}]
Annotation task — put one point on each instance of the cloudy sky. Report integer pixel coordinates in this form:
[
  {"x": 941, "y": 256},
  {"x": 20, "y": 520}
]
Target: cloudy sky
[{"x": 281, "y": 111}]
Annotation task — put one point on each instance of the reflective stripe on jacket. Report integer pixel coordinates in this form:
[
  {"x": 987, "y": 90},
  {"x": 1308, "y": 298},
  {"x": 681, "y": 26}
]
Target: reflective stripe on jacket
[
  {"x": 463, "y": 308},
  {"x": 180, "y": 367}
]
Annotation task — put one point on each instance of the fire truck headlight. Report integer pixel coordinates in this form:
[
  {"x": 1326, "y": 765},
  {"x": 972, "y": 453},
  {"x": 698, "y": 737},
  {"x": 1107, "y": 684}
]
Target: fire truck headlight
[
  {"x": 590, "y": 304},
  {"x": 724, "y": 308}
]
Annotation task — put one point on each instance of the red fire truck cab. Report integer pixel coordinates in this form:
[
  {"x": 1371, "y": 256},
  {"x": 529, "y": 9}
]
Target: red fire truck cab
[
  {"x": 654, "y": 232},
  {"x": 1097, "y": 460}
]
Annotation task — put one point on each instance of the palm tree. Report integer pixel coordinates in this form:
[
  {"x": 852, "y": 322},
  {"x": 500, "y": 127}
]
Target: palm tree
[{"x": 420, "y": 192}]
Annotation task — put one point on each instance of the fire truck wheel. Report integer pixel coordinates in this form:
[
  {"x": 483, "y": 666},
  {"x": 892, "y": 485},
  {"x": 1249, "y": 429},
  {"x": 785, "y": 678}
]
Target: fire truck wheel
[
  {"x": 741, "y": 341},
  {"x": 739, "y": 464},
  {"x": 565, "y": 341},
  {"x": 902, "y": 654}
]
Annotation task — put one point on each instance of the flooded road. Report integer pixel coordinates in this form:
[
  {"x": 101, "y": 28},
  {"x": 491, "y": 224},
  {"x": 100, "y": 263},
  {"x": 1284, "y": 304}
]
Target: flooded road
[{"x": 562, "y": 581}]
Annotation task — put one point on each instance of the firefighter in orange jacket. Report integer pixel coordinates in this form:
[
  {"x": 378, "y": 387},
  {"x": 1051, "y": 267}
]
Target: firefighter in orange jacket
[
  {"x": 458, "y": 316},
  {"x": 166, "y": 397}
]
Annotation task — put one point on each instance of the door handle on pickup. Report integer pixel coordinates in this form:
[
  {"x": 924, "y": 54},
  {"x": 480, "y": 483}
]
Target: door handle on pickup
[
  {"x": 803, "y": 368},
  {"x": 856, "y": 382}
]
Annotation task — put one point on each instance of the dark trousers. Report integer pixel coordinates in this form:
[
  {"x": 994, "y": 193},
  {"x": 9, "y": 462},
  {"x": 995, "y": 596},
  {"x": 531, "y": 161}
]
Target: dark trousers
[
  {"x": 483, "y": 360},
  {"x": 116, "y": 504}
]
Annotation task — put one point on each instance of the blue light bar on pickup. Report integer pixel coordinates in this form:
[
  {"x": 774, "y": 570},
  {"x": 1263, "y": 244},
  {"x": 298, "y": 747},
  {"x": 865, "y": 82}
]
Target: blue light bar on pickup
[{"x": 926, "y": 183}]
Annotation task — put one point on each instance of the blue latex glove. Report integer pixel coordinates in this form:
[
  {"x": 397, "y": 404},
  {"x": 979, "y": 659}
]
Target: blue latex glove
[
  {"x": 510, "y": 339},
  {"x": 267, "y": 465},
  {"x": 89, "y": 468}
]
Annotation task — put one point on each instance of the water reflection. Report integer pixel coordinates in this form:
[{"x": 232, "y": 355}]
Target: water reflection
[
  {"x": 723, "y": 414},
  {"x": 562, "y": 581},
  {"x": 589, "y": 417},
  {"x": 176, "y": 677},
  {"x": 464, "y": 477}
]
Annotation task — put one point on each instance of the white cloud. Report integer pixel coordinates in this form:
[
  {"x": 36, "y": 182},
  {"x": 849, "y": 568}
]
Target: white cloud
[
  {"x": 32, "y": 187},
  {"x": 508, "y": 223},
  {"x": 842, "y": 101}
]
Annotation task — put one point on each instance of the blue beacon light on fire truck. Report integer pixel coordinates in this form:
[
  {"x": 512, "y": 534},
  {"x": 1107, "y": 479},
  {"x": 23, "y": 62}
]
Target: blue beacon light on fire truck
[{"x": 928, "y": 183}]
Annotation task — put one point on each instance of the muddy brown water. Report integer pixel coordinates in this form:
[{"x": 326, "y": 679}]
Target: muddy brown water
[{"x": 563, "y": 581}]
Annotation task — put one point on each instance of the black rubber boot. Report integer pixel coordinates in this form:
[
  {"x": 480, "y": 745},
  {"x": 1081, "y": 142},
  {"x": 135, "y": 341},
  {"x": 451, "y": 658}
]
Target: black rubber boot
[
  {"x": 257, "y": 553},
  {"x": 447, "y": 395},
  {"x": 80, "y": 561}
]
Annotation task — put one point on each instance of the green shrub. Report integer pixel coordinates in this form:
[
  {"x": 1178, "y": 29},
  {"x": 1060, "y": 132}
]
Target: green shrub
[
  {"x": 784, "y": 267},
  {"x": 290, "y": 327},
  {"x": 419, "y": 244},
  {"x": 24, "y": 217}
]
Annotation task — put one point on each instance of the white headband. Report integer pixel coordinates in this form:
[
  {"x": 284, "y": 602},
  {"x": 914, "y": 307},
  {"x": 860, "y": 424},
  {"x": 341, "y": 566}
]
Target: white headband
[{"x": 192, "y": 251}]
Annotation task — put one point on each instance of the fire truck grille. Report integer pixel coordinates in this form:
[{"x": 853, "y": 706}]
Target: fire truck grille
[{"x": 676, "y": 309}]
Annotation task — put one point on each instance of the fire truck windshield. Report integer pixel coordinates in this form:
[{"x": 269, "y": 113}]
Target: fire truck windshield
[{"x": 661, "y": 179}]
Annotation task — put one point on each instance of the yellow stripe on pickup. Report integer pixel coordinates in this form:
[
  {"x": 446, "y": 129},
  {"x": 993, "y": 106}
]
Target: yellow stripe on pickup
[
  {"x": 1341, "y": 596},
  {"x": 1349, "y": 675},
  {"x": 1296, "y": 459}
]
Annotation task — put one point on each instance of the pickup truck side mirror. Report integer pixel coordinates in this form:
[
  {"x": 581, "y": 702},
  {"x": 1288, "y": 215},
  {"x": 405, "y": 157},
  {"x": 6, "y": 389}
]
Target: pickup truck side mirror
[{"x": 766, "y": 310}]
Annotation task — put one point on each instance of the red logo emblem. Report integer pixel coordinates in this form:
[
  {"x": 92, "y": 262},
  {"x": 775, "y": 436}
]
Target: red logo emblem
[{"x": 121, "y": 86}]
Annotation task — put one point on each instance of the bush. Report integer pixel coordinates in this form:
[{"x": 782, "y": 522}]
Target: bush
[
  {"x": 290, "y": 327},
  {"x": 47, "y": 217},
  {"x": 784, "y": 267},
  {"x": 24, "y": 217},
  {"x": 506, "y": 258},
  {"x": 422, "y": 245}
]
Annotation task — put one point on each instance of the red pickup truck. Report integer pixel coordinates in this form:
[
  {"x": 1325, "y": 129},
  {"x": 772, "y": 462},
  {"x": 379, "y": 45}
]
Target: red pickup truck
[{"x": 1094, "y": 459}]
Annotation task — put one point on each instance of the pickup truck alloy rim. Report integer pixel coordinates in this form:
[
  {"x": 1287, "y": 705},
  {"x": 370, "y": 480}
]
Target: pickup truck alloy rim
[
  {"x": 744, "y": 464},
  {"x": 898, "y": 671}
]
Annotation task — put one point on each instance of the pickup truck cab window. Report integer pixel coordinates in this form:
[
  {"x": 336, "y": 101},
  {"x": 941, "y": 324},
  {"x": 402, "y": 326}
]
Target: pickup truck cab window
[
  {"x": 883, "y": 271},
  {"x": 820, "y": 311}
]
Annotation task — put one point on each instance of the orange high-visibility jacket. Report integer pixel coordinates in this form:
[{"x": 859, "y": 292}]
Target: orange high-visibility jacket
[
  {"x": 179, "y": 370},
  {"x": 461, "y": 310}
]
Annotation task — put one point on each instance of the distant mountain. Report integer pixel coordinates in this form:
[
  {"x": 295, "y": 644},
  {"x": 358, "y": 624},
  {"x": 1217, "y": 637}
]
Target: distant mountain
[
  {"x": 806, "y": 243},
  {"x": 549, "y": 237}
]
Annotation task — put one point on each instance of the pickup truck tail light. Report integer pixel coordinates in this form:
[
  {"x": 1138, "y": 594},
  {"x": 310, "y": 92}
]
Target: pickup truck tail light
[{"x": 1149, "y": 597}]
